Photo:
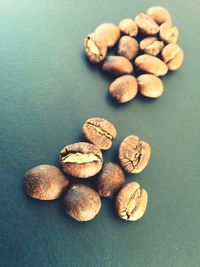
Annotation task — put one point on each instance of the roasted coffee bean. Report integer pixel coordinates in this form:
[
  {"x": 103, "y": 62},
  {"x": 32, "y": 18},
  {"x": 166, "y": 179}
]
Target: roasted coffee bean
[
  {"x": 151, "y": 64},
  {"x": 150, "y": 85},
  {"x": 128, "y": 47},
  {"x": 45, "y": 182},
  {"x": 173, "y": 56},
  {"x": 151, "y": 46},
  {"x": 81, "y": 159},
  {"x": 134, "y": 154},
  {"x": 131, "y": 202},
  {"x": 110, "y": 179},
  {"x": 129, "y": 27},
  {"x": 117, "y": 65},
  {"x": 108, "y": 32},
  {"x": 124, "y": 88},
  {"x": 99, "y": 132},
  {"x": 168, "y": 33},
  {"x": 146, "y": 24},
  {"x": 81, "y": 202},
  {"x": 159, "y": 14}
]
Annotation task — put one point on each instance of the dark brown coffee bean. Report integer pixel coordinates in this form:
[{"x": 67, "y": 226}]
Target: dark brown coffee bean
[
  {"x": 134, "y": 154},
  {"x": 108, "y": 32},
  {"x": 168, "y": 33},
  {"x": 129, "y": 27},
  {"x": 128, "y": 47},
  {"x": 159, "y": 14},
  {"x": 146, "y": 24},
  {"x": 117, "y": 65},
  {"x": 99, "y": 132},
  {"x": 173, "y": 56},
  {"x": 45, "y": 182},
  {"x": 110, "y": 179},
  {"x": 124, "y": 88},
  {"x": 151, "y": 46},
  {"x": 82, "y": 203},
  {"x": 150, "y": 85},
  {"x": 81, "y": 159}
]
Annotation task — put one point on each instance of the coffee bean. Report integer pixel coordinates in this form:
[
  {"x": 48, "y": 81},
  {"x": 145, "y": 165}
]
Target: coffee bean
[
  {"x": 108, "y": 32},
  {"x": 151, "y": 64},
  {"x": 151, "y": 46},
  {"x": 173, "y": 56},
  {"x": 150, "y": 85},
  {"x": 81, "y": 202},
  {"x": 110, "y": 179},
  {"x": 45, "y": 182},
  {"x": 131, "y": 202},
  {"x": 146, "y": 24},
  {"x": 124, "y": 88},
  {"x": 129, "y": 27},
  {"x": 159, "y": 14},
  {"x": 99, "y": 132},
  {"x": 117, "y": 65},
  {"x": 134, "y": 154},
  {"x": 81, "y": 159},
  {"x": 128, "y": 47},
  {"x": 168, "y": 33}
]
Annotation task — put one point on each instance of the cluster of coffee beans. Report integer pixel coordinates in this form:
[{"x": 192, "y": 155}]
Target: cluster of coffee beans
[
  {"x": 84, "y": 160},
  {"x": 152, "y": 54}
]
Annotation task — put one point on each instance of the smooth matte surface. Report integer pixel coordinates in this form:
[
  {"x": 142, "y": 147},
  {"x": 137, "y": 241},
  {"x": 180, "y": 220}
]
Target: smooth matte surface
[{"x": 47, "y": 91}]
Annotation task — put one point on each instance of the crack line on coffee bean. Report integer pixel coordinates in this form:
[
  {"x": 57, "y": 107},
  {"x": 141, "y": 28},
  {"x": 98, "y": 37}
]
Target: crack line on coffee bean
[
  {"x": 100, "y": 130},
  {"x": 79, "y": 158}
]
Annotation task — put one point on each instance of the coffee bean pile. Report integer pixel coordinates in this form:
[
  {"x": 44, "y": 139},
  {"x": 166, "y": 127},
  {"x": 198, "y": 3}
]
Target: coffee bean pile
[
  {"x": 84, "y": 160},
  {"x": 146, "y": 48}
]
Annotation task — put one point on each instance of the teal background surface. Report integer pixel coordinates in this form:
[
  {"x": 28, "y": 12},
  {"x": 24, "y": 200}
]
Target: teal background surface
[{"x": 47, "y": 91}]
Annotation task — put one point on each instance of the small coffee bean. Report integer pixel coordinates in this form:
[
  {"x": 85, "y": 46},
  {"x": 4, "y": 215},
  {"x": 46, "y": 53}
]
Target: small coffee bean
[
  {"x": 124, "y": 88},
  {"x": 45, "y": 182},
  {"x": 99, "y": 132},
  {"x": 151, "y": 64},
  {"x": 131, "y": 202},
  {"x": 134, "y": 154},
  {"x": 81, "y": 159},
  {"x": 159, "y": 14},
  {"x": 117, "y": 65},
  {"x": 168, "y": 33},
  {"x": 150, "y": 85},
  {"x": 146, "y": 24},
  {"x": 173, "y": 56},
  {"x": 151, "y": 46},
  {"x": 128, "y": 47},
  {"x": 129, "y": 27},
  {"x": 108, "y": 32},
  {"x": 81, "y": 202},
  {"x": 110, "y": 179}
]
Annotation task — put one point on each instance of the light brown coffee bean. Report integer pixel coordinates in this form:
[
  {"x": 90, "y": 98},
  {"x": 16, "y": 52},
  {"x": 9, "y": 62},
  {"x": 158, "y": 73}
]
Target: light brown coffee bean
[
  {"x": 146, "y": 24},
  {"x": 117, "y": 65},
  {"x": 131, "y": 202},
  {"x": 81, "y": 202},
  {"x": 45, "y": 182},
  {"x": 108, "y": 32},
  {"x": 173, "y": 56},
  {"x": 128, "y": 47},
  {"x": 151, "y": 46},
  {"x": 159, "y": 14},
  {"x": 168, "y": 33},
  {"x": 134, "y": 154},
  {"x": 81, "y": 159},
  {"x": 151, "y": 64},
  {"x": 129, "y": 27},
  {"x": 124, "y": 88},
  {"x": 110, "y": 179},
  {"x": 99, "y": 132},
  {"x": 150, "y": 85}
]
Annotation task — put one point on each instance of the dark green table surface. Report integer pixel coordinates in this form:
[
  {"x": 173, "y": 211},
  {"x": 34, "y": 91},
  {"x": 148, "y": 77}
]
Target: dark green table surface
[{"x": 47, "y": 91}]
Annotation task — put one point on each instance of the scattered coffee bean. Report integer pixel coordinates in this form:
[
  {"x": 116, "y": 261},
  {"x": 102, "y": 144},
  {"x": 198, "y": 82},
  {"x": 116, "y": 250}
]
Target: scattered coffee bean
[
  {"x": 124, "y": 88},
  {"x": 173, "y": 56},
  {"x": 150, "y": 85},
  {"x": 117, "y": 65},
  {"x": 168, "y": 33},
  {"x": 128, "y": 47},
  {"x": 81, "y": 202},
  {"x": 81, "y": 159},
  {"x": 159, "y": 14},
  {"x": 45, "y": 182},
  {"x": 108, "y": 32},
  {"x": 110, "y": 179},
  {"x": 146, "y": 24},
  {"x": 131, "y": 202},
  {"x": 151, "y": 64},
  {"x": 134, "y": 154},
  {"x": 129, "y": 27},
  {"x": 151, "y": 46},
  {"x": 99, "y": 132}
]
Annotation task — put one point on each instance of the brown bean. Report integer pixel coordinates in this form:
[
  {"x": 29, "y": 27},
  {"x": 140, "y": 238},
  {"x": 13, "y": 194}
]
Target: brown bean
[
  {"x": 150, "y": 85},
  {"x": 129, "y": 27},
  {"x": 159, "y": 14},
  {"x": 146, "y": 24},
  {"x": 108, "y": 32},
  {"x": 168, "y": 32},
  {"x": 151, "y": 46},
  {"x": 117, "y": 65},
  {"x": 173, "y": 56},
  {"x": 128, "y": 47}
]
